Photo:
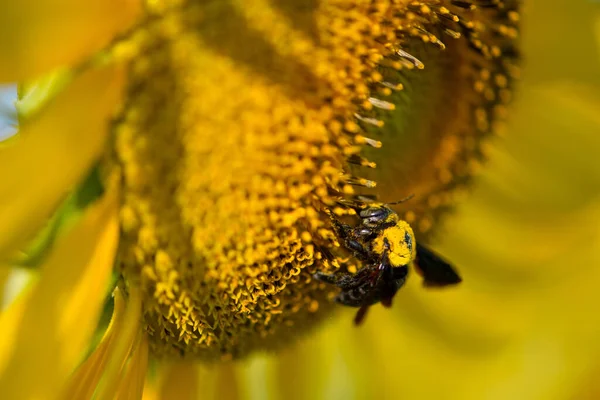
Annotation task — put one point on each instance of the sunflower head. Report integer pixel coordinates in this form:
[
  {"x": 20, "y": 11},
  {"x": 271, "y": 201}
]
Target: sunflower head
[{"x": 231, "y": 148}]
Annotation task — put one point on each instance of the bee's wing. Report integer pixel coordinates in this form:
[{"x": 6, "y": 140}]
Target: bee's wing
[{"x": 434, "y": 269}]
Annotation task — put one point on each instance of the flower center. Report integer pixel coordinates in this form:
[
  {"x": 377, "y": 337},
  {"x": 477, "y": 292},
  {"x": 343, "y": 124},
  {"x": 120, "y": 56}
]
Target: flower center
[{"x": 239, "y": 129}]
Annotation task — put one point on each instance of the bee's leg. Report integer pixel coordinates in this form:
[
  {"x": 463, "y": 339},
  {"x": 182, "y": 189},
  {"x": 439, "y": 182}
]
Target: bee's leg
[
  {"x": 366, "y": 234},
  {"x": 360, "y": 315},
  {"x": 389, "y": 280},
  {"x": 357, "y": 249},
  {"x": 388, "y": 273},
  {"x": 341, "y": 230},
  {"x": 344, "y": 233},
  {"x": 332, "y": 279},
  {"x": 385, "y": 269},
  {"x": 357, "y": 289},
  {"x": 351, "y": 298},
  {"x": 387, "y": 302},
  {"x": 398, "y": 277},
  {"x": 342, "y": 280}
]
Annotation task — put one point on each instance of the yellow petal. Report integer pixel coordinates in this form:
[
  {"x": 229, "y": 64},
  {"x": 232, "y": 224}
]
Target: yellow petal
[
  {"x": 597, "y": 33},
  {"x": 338, "y": 362},
  {"x": 311, "y": 360},
  {"x": 186, "y": 380},
  {"x": 150, "y": 391},
  {"x": 180, "y": 380},
  {"x": 13, "y": 281},
  {"x": 39, "y": 35},
  {"x": 227, "y": 383},
  {"x": 53, "y": 152},
  {"x": 84, "y": 380},
  {"x": 562, "y": 172},
  {"x": 101, "y": 371},
  {"x": 124, "y": 341},
  {"x": 63, "y": 309},
  {"x": 568, "y": 52},
  {"x": 5, "y": 271},
  {"x": 257, "y": 377},
  {"x": 132, "y": 381},
  {"x": 10, "y": 319}
]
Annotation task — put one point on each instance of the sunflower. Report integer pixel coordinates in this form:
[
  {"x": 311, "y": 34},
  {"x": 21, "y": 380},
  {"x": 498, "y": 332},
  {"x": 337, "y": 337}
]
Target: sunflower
[{"x": 168, "y": 184}]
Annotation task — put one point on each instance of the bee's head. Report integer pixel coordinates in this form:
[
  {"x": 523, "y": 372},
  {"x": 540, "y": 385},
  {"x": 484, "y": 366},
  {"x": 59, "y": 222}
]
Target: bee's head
[{"x": 377, "y": 214}]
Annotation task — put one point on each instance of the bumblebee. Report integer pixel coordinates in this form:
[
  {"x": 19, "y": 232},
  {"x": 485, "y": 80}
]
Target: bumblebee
[{"x": 386, "y": 246}]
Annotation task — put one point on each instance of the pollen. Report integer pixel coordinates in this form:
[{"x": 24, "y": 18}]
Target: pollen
[{"x": 245, "y": 123}]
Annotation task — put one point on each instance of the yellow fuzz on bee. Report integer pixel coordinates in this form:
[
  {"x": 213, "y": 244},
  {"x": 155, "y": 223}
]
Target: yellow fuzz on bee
[{"x": 393, "y": 239}]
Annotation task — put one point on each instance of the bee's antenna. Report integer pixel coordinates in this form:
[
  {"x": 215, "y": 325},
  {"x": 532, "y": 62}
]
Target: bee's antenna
[{"x": 401, "y": 201}]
